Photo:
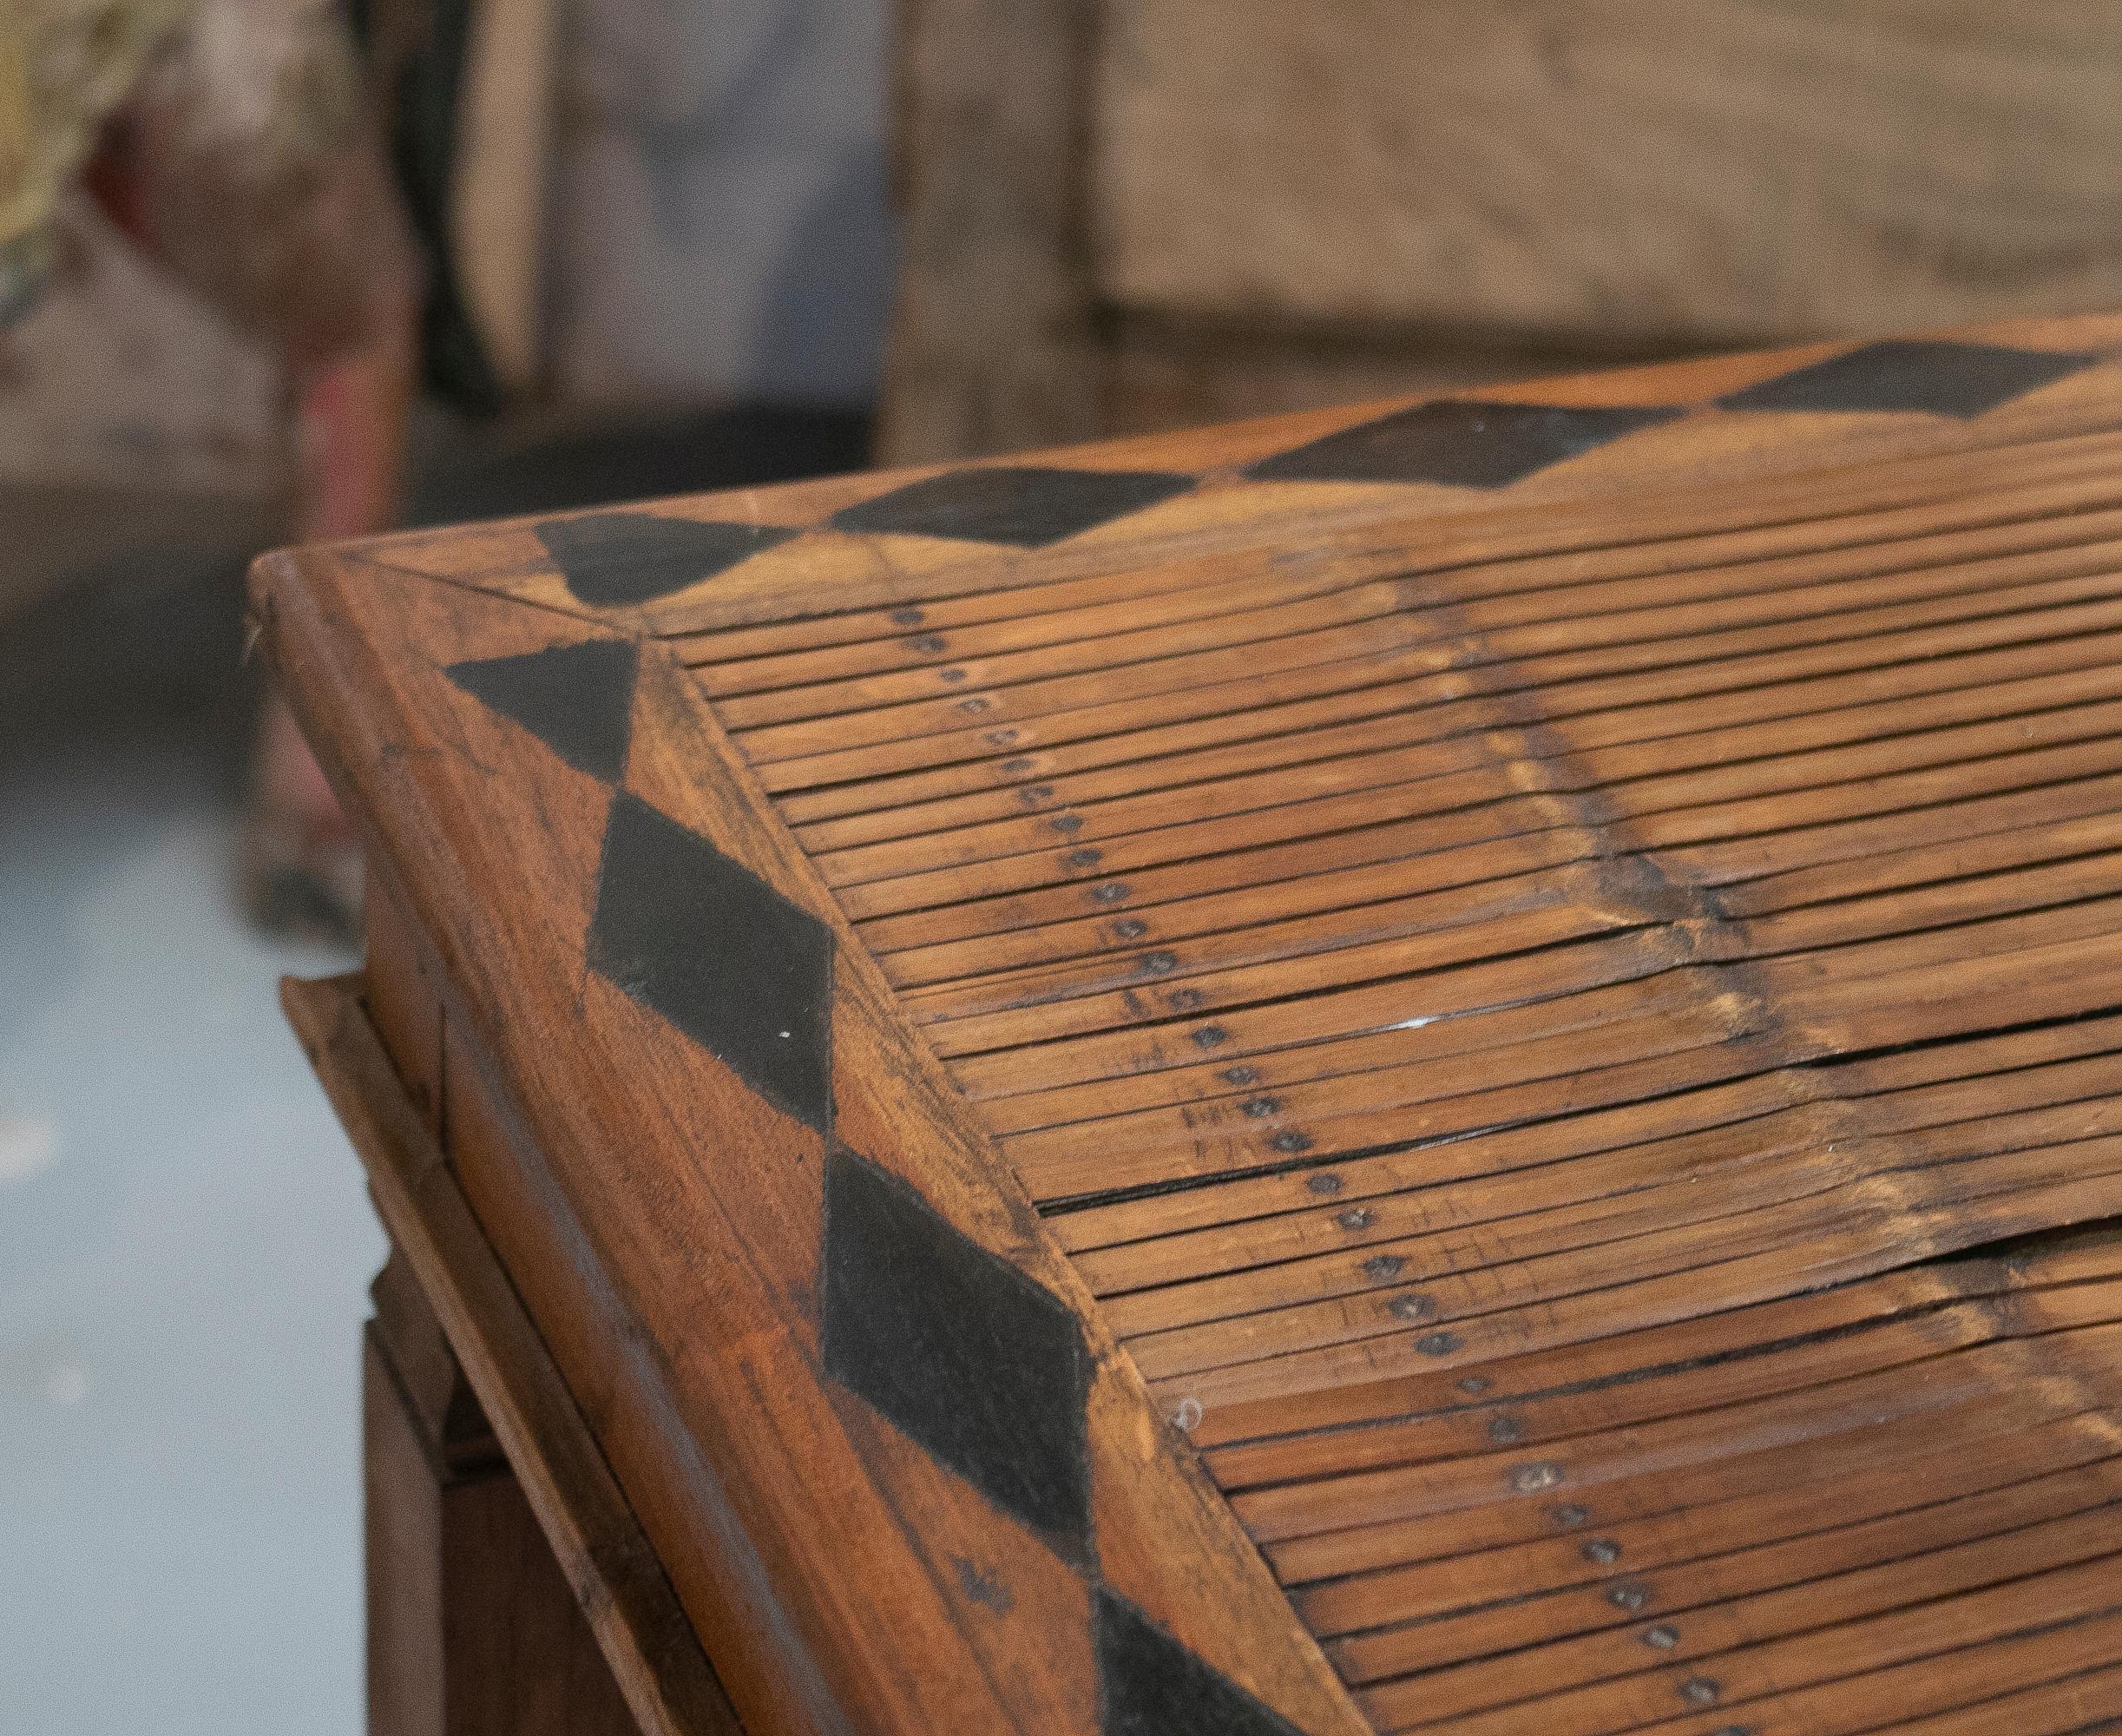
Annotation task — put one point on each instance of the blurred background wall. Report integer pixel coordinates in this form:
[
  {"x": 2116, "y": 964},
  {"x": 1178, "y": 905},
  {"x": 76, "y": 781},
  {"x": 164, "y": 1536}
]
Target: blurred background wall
[
  {"x": 1014, "y": 222},
  {"x": 1148, "y": 212},
  {"x": 718, "y": 200},
  {"x": 648, "y": 207}
]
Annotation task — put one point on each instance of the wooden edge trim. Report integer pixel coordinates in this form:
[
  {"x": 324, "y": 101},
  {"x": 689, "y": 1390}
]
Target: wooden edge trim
[
  {"x": 333, "y": 627},
  {"x": 1131, "y": 1445},
  {"x": 806, "y": 559},
  {"x": 668, "y": 1683}
]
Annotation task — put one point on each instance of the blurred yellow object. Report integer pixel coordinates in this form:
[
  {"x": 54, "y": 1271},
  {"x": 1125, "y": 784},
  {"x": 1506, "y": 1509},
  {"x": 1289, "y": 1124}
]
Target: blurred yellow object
[
  {"x": 65, "y": 65},
  {"x": 230, "y": 140}
]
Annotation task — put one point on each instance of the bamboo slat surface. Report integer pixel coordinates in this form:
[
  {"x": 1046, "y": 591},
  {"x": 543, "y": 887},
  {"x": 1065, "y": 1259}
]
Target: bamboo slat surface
[
  {"x": 1495, "y": 1026},
  {"x": 1533, "y": 1052}
]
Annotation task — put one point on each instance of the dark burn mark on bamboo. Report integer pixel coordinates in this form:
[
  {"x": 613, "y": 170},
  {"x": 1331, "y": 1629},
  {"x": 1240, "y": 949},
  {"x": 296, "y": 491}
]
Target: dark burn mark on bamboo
[
  {"x": 1962, "y": 380},
  {"x": 1149, "y": 1684},
  {"x": 1460, "y": 443},
  {"x": 612, "y": 560},
  {"x": 719, "y": 954},
  {"x": 578, "y": 700},
  {"x": 982, "y": 1585},
  {"x": 985, "y": 1368},
  {"x": 1019, "y": 506}
]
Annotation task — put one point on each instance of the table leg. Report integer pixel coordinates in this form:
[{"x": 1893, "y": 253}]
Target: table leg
[{"x": 472, "y": 1627}]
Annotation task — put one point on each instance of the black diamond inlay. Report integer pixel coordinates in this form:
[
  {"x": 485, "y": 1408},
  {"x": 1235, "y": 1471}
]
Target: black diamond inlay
[
  {"x": 1944, "y": 378},
  {"x": 1149, "y": 1684},
  {"x": 1463, "y": 441},
  {"x": 1026, "y": 508},
  {"x": 986, "y": 1369},
  {"x": 717, "y": 953},
  {"x": 612, "y": 559},
  {"x": 578, "y": 700}
]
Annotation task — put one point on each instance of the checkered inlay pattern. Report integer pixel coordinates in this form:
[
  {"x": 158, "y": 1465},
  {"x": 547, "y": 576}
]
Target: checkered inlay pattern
[
  {"x": 959, "y": 1349},
  {"x": 627, "y": 558}
]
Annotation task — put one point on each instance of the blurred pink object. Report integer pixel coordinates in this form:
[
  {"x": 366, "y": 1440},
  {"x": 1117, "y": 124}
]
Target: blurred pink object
[{"x": 244, "y": 160}]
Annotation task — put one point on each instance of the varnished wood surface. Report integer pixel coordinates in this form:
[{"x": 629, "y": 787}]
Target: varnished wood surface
[
  {"x": 848, "y": 1559},
  {"x": 1549, "y": 969},
  {"x": 473, "y": 1628},
  {"x": 656, "y": 1660}
]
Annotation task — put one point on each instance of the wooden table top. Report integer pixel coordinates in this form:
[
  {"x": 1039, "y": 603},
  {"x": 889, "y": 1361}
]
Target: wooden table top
[{"x": 1445, "y": 1065}]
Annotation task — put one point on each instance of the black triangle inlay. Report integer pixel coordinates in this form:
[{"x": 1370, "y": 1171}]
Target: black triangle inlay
[
  {"x": 615, "y": 559},
  {"x": 1464, "y": 443},
  {"x": 578, "y": 700},
  {"x": 1024, "y": 506},
  {"x": 985, "y": 1368},
  {"x": 717, "y": 953},
  {"x": 1942, "y": 378},
  {"x": 1149, "y": 1684}
]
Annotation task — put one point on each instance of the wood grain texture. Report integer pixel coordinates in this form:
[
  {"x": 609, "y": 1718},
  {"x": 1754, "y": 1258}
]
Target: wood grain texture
[
  {"x": 1747, "y": 169},
  {"x": 616, "y": 1580},
  {"x": 989, "y": 1622},
  {"x": 473, "y": 1629},
  {"x": 1539, "y": 973},
  {"x": 1158, "y": 370},
  {"x": 763, "y": 557}
]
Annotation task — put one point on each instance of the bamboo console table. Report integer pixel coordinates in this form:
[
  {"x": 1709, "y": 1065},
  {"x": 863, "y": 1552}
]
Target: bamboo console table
[{"x": 1451, "y": 1067}]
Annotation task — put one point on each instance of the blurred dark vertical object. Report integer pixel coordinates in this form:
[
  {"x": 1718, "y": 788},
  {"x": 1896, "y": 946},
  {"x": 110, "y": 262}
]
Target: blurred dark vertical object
[
  {"x": 416, "y": 51},
  {"x": 991, "y": 346}
]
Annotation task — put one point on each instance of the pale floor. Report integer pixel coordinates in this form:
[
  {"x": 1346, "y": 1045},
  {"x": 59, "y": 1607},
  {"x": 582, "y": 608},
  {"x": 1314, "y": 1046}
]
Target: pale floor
[{"x": 184, "y": 1248}]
